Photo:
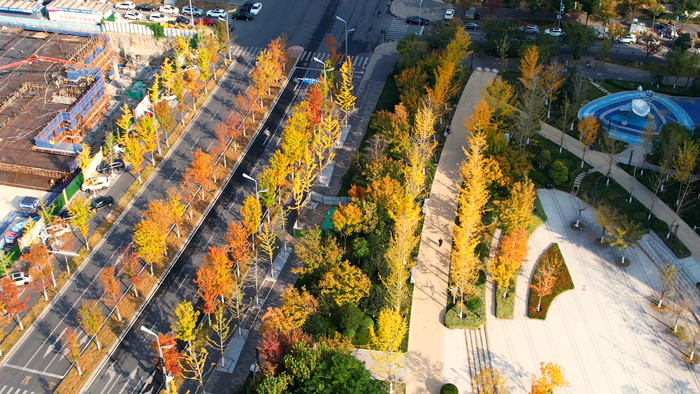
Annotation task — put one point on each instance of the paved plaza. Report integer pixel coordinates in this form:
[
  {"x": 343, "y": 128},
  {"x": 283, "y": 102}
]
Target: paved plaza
[{"x": 603, "y": 333}]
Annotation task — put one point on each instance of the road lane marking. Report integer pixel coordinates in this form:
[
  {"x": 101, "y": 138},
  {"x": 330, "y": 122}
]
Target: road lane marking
[
  {"x": 111, "y": 373},
  {"x": 181, "y": 283},
  {"x": 2, "y": 390},
  {"x": 195, "y": 144},
  {"x": 214, "y": 116},
  {"x": 50, "y": 348},
  {"x": 51, "y": 375}
]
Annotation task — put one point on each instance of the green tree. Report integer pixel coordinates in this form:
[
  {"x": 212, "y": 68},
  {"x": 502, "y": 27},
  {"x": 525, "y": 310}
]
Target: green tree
[
  {"x": 345, "y": 284},
  {"x": 627, "y": 234},
  {"x": 579, "y": 37},
  {"x": 559, "y": 173}
]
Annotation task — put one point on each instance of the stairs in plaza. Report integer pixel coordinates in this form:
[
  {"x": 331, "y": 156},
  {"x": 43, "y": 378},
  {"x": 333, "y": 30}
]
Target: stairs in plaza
[{"x": 478, "y": 354}]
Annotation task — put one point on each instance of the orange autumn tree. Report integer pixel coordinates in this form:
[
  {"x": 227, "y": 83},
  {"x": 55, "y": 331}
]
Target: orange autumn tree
[
  {"x": 11, "y": 297},
  {"x": 545, "y": 277},
  {"x": 206, "y": 281},
  {"x": 238, "y": 244},
  {"x": 112, "y": 289},
  {"x": 511, "y": 253},
  {"x": 171, "y": 356},
  {"x": 132, "y": 267},
  {"x": 40, "y": 267},
  {"x": 296, "y": 307},
  {"x": 218, "y": 261}
]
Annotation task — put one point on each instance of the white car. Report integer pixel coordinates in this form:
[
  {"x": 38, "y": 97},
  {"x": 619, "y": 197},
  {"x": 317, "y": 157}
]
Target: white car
[
  {"x": 217, "y": 13},
  {"x": 20, "y": 278},
  {"x": 628, "y": 39},
  {"x": 555, "y": 32},
  {"x": 133, "y": 16},
  {"x": 158, "y": 17},
  {"x": 255, "y": 8},
  {"x": 97, "y": 183},
  {"x": 169, "y": 9},
  {"x": 530, "y": 29},
  {"x": 653, "y": 41},
  {"x": 125, "y": 5},
  {"x": 449, "y": 14}
]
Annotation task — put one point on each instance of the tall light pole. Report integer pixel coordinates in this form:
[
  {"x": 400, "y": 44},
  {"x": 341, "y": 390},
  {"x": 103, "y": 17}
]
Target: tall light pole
[
  {"x": 420, "y": 12},
  {"x": 346, "y": 33},
  {"x": 257, "y": 193},
  {"x": 324, "y": 68},
  {"x": 160, "y": 354},
  {"x": 561, "y": 11}
]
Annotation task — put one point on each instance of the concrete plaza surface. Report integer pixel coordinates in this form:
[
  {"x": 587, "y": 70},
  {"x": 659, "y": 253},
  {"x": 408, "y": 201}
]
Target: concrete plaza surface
[{"x": 603, "y": 333}]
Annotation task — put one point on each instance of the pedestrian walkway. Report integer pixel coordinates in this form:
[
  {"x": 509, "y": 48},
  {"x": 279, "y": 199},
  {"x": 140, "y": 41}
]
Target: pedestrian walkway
[
  {"x": 427, "y": 338},
  {"x": 397, "y": 31},
  {"x": 599, "y": 161}
]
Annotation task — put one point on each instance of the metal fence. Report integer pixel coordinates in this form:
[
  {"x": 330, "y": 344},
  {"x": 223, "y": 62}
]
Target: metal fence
[
  {"x": 132, "y": 28},
  {"x": 80, "y": 29}
]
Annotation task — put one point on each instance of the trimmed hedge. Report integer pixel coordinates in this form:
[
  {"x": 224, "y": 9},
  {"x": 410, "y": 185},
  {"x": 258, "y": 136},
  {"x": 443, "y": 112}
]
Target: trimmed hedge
[
  {"x": 563, "y": 283},
  {"x": 469, "y": 319},
  {"x": 505, "y": 307}
]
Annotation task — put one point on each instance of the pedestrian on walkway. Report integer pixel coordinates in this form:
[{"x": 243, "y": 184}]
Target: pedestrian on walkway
[
  {"x": 379, "y": 13},
  {"x": 439, "y": 242}
]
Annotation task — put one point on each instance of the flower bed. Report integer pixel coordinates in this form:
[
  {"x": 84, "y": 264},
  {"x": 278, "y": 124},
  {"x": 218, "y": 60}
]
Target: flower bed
[{"x": 562, "y": 283}]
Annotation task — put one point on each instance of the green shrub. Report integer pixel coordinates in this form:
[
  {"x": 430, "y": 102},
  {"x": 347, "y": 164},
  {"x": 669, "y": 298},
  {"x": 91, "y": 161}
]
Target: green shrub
[
  {"x": 538, "y": 216},
  {"x": 315, "y": 326},
  {"x": 349, "y": 333},
  {"x": 361, "y": 337},
  {"x": 474, "y": 304},
  {"x": 375, "y": 302},
  {"x": 562, "y": 283},
  {"x": 469, "y": 320},
  {"x": 349, "y": 317},
  {"x": 449, "y": 388},
  {"x": 505, "y": 307},
  {"x": 559, "y": 173}
]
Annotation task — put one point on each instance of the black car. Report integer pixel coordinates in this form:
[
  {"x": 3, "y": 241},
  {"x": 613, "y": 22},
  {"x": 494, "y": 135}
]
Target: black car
[
  {"x": 477, "y": 16},
  {"x": 117, "y": 165},
  {"x": 147, "y": 7},
  {"x": 64, "y": 214},
  {"x": 182, "y": 19},
  {"x": 243, "y": 16},
  {"x": 101, "y": 202},
  {"x": 245, "y": 8},
  {"x": 416, "y": 20}
]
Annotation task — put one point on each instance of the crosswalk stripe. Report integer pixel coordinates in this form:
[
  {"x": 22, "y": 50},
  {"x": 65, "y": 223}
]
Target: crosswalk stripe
[{"x": 2, "y": 390}]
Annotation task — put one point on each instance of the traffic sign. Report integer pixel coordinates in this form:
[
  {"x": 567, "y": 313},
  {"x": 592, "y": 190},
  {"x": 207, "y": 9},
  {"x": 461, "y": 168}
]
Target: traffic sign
[{"x": 309, "y": 80}]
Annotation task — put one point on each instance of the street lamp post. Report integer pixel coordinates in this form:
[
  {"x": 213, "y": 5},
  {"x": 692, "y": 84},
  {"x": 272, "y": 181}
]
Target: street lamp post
[
  {"x": 420, "y": 13},
  {"x": 346, "y": 33},
  {"x": 160, "y": 354},
  {"x": 250, "y": 178},
  {"x": 324, "y": 67}
]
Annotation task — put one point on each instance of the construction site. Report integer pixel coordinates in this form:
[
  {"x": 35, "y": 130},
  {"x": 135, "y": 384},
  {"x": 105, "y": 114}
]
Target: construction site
[{"x": 52, "y": 96}]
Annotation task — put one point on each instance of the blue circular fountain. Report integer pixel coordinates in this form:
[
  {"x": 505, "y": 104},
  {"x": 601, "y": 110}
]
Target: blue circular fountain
[{"x": 627, "y": 115}]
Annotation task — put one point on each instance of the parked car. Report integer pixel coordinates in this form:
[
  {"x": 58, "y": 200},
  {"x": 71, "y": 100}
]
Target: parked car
[
  {"x": 182, "y": 19},
  {"x": 653, "y": 41},
  {"x": 20, "y": 278},
  {"x": 555, "y": 32},
  {"x": 416, "y": 20},
  {"x": 628, "y": 39},
  {"x": 192, "y": 11},
  {"x": 256, "y": 8},
  {"x": 206, "y": 21},
  {"x": 246, "y": 7},
  {"x": 29, "y": 204},
  {"x": 116, "y": 165},
  {"x": 97, "y": 183},
  {"x": 216, "y": 13},
  {"x": 169, "y": 9},
  {"x": 471, "y": 25},
  {"x": 449, "y": 13},
  {"x": 530, "y": 29},
  {"x": 133, "y": 16},
  {"x": 158, "y": 17},
  {"x": 101, "y": 202},
  {"x": 65, "y": 214},
  {"x": 147, "y": 7},
  {"x": 246, "y": 16},
  {"x": 125, "y": 5}
]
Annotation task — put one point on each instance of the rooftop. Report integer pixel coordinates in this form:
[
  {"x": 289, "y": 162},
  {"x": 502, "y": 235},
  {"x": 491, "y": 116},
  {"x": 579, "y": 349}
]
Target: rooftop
[{"x": 32, "y": 94}]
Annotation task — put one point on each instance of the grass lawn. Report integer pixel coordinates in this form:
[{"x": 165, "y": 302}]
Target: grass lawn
[
  {"x": 505, "y": 306},
  {"x": 538, "y": 216},
  {"x": 562, "y": 283},
  {"x": 540, "y": 176},
  {"x": 473, "y": 314}
]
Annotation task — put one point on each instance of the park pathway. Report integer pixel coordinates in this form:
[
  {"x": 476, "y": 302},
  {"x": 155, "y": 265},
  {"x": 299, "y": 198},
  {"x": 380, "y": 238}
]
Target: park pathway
[
  {"x": 599, "y": 161},
  {"x": 426, "y": 342}
]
